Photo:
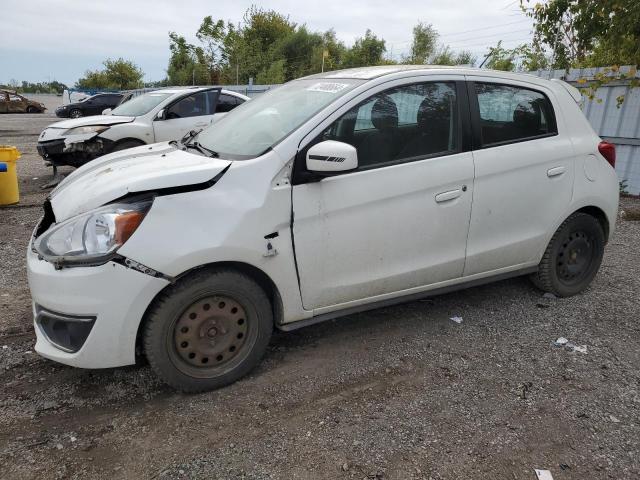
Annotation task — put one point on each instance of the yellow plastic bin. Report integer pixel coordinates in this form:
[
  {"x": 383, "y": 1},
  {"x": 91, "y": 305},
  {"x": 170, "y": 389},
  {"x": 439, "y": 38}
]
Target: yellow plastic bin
[{"x": 8, "y": 176}]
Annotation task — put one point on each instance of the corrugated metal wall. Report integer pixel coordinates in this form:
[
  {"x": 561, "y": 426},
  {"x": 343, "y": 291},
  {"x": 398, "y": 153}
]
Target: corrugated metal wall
[{"x": 618, "y": 125}]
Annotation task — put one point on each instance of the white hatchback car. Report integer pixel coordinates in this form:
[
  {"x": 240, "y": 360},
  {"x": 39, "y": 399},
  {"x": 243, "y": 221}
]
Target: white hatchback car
[
  {"x": 331, "y": 194},
  {"x": 158, "y": 116}
]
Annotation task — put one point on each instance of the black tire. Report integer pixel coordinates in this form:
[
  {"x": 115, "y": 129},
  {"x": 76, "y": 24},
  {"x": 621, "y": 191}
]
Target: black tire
[
  {"x": 211, "y": 293},
  {"x": 32, "y": 109},
  {"x": 75, "y": 113},
  {"x": 126, "y": 144},
  {"x": 572, "y": 258}
]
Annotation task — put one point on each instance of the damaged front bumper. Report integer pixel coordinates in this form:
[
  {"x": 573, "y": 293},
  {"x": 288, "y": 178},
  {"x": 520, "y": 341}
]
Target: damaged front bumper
[
  {"x": 74, "y": 151},
  {"x": 88, "y": 317}
]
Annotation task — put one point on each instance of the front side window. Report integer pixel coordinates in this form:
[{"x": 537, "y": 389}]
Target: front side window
[
  {"x": 409, "y": 122},
  {"x": 192, "y": 106},
  {"x": 15, "y": 98},
  {"x": 141, "y": 104},
  {"x": 509, "y": 113}
]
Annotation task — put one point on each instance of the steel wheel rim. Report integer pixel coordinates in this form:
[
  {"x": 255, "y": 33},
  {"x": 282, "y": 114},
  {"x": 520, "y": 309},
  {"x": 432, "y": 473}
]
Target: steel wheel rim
[
  {"x": 210, "y": 337},
  {"x": 575, "y": 257}
]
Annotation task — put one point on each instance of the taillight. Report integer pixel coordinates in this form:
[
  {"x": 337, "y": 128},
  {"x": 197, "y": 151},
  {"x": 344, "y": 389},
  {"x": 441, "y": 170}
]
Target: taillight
[{"x": 608, "y": 151}]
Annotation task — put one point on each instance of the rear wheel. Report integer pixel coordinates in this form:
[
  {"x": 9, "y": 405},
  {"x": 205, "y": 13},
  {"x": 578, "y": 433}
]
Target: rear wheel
[
  {"x": 75, "y": 113},
  {"x": 572, "y": 257},
  {"x": 208, "y": 330},
  {"x": 32, "y": 109}
]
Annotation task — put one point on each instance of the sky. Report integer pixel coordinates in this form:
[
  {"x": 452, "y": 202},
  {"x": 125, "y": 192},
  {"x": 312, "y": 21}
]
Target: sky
[{"x": 43, "y": 40}]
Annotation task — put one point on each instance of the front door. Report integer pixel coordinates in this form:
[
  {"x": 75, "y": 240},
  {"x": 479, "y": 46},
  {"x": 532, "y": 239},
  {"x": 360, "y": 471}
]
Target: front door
[
  {"x": 193, "y": 112},
  {"x": 524, "y": 174},
  {"x": 401, "y": 219}
]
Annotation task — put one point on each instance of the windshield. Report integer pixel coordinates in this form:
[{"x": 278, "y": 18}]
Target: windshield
[
  {"x": 140, "y": 105},
  {"x": 253, "y": 127}
]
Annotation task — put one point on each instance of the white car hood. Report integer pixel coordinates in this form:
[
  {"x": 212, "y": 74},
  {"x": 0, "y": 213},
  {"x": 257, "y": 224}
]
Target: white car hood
[
  {"x": 92, "y": 120},
  {"x": 140, "y": 169}
]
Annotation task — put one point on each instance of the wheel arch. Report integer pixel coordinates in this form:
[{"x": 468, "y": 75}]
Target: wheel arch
[
  {"x": 258, "y": 275},
  {"x": 127, "y": 139},
  {"x": 599, "y": 215}
]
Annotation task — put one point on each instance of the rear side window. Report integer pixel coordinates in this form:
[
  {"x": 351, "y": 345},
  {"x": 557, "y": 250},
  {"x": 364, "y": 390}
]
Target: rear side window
[
  {"x": 512, "y": 114},
  {"x": 226, "y": 103}
]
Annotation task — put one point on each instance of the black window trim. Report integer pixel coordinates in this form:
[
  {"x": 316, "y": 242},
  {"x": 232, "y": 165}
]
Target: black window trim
[
  {"x": 474, "y": 107},
  {"x": 301, "y": 175}
]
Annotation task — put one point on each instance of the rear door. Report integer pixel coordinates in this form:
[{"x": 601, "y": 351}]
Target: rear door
[
  {"x": 192, "y": 112},
  {"x": 524, "y": 170},
  {"x": 401, "y": 219}
]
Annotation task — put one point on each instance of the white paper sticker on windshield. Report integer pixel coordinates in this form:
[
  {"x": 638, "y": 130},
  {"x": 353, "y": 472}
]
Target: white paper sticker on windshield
[{"x": 328, "y": 87}]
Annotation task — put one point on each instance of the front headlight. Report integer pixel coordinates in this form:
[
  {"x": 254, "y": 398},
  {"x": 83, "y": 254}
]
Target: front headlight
[
  {"x": 92, "y": 237},
  {"x": 87, "y": 129}
]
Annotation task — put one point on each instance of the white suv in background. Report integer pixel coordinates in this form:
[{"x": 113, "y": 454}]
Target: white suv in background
[
  {"x": 329, "y": 195},
  {"x": 158, "y": 116}
]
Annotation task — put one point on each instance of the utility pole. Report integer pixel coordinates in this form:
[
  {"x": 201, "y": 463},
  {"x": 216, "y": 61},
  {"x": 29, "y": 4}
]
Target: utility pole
[
  {"x": 193, "y": 75},
  {"x": 237, "y": 74},
  {"x": 325, "y": 53}
]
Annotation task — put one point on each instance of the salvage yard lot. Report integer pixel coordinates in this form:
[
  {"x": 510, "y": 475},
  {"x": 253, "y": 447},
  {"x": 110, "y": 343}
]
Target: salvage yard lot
[{"x": 401, "y": 392}]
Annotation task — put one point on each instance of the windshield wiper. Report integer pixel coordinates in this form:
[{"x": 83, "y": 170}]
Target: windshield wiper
[
  {"x": 202, "y": 149},
  {"x": 187, "y": 143},
  {"x": 192, "y": 134}
]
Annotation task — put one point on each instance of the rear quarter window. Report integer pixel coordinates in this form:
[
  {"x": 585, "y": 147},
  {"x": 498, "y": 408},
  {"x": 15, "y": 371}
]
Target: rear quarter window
[{"x": 509, "y": 113}]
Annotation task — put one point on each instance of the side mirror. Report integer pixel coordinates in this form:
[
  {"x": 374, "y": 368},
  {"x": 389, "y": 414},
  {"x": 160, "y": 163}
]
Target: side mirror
[
  {"x": 159, "y": 115},
  {"x": 332, "y": 157},
  {"x": 106, "y": 111}
]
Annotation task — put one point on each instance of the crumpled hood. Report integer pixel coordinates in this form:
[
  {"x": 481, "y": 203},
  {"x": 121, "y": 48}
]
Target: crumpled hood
[
  {"x": 92, "y": 120},
  {"x": 140, "y": 169}
]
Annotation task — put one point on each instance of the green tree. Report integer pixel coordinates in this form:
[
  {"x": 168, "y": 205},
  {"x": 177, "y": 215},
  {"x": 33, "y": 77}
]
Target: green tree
[
  {"x": 501, "y": 58},
  {"x": 423, "y": 46},
  {"x": 366, "y": 51},
  {"x": 117, "y": 74},
  {"x": 584, "y": 33}
]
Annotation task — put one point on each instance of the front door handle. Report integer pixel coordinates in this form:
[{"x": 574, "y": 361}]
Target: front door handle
[
  {"x": 450, "y": 195},
  {"x": 554, "y": 172}
]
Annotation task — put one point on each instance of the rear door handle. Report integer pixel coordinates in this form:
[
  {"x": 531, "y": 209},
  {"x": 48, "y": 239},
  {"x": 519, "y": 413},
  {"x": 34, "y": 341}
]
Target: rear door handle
[
  {"x": 554, "y": 172},
  {"x": 450, "y": 195}
]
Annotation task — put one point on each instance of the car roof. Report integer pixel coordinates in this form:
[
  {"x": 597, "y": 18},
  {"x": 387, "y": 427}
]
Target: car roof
[{"x": 370, "y": 73}]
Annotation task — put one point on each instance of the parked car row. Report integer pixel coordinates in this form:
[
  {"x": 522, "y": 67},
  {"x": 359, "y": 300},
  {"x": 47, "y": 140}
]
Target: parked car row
[
  {"x": 93, "y": 105},
  {"x": 332, "y": 194},
  {"x": 158, "y": 116}
]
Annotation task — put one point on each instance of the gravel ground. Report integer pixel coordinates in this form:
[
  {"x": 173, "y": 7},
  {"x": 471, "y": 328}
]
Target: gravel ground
[{"x": 396, "y": 393}]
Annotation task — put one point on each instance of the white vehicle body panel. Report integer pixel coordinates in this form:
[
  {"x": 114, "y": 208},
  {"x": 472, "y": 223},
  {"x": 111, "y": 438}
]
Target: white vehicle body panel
[
  {"x": 136, "y": 170},
  {"x": 345, "y": 242},
  {"x": 521, "y": 172}
]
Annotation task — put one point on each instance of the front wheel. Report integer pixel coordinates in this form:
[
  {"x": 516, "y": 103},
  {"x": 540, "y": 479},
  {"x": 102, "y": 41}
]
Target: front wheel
[
  {"x": 75, "y": 113},
  {"x": 572, "y": 257},
  {"x": 208, "y": 330}
]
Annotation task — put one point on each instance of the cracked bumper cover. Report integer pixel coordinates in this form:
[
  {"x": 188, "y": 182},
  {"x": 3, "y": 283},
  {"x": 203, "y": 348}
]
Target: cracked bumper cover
[
  {"x": 115, "y": 296},
  {"x": 63, "y": 151}
]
